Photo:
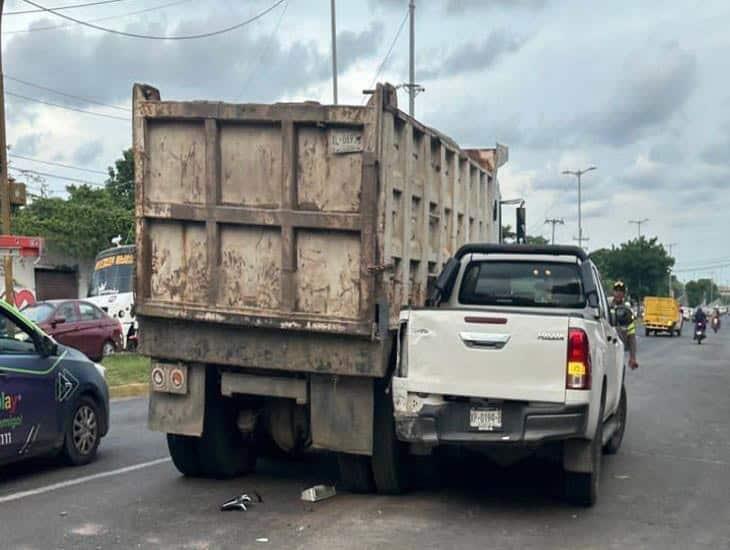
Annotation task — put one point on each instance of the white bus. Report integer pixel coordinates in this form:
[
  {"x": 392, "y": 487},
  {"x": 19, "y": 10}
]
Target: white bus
[{"x": 111, "y": 289}]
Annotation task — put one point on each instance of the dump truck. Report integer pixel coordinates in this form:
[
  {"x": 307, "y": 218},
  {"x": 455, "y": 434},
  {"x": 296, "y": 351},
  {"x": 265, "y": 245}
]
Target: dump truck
[
  {"x": 275, "y": 247},
  {"x": 662, "y": 314}
]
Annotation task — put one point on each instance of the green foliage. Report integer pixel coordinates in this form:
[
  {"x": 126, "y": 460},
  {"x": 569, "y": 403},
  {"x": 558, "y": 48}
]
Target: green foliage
[
  {"x": 126, "y": 368},
  {"x": 508, "y": 235},
  {"x": 121, "y": 180},
  {"x": 701, "y": 291},
  {"x": 537, "y": 240},
  {"x": 643, "y": 264},
  {"x": 85, "y": 222}
]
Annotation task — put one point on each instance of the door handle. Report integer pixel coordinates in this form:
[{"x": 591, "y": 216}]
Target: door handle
[{"x": 484, "y": 340}]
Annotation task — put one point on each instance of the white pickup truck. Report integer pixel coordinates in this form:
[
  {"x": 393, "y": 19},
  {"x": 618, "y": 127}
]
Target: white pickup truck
[{"x": 518, "y": 349}]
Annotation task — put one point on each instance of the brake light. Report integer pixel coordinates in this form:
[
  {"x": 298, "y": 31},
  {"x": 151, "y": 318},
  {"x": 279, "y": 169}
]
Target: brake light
[{"x": 579, "y": 361}]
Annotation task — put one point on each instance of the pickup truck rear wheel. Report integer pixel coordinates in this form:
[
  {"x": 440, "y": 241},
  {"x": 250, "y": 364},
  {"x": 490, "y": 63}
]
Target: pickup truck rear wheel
[
  {"x": 614, "y": 444},
  {"x": 390, "y": 470},
  {"x": 356, "y": 474},
  {"x": 581, "y": 488}
]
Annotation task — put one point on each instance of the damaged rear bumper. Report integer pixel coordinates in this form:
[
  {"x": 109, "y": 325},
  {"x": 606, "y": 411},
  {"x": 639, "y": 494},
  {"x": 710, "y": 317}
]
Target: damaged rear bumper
[{"x": 522, "y": 422}]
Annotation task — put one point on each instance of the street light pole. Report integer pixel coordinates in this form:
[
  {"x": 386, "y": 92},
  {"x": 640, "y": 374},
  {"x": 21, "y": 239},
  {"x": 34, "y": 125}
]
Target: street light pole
[
  {"x": 639, "y": 223},
  {"x": 412, "y": 60},
  {"x": 578, "y": 174},
  {"x": 334, "y": 51},
  {"x": 4, "y": 181}
]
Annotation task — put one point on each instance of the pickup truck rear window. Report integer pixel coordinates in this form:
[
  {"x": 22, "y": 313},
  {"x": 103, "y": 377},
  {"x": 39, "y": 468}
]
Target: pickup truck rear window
[{"x": 522, "y": 283}]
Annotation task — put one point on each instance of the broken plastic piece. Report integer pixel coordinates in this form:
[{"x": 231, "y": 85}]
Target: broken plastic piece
[
  {"x": 318, "y": 492},
  {"x": 240, "y": 502}
]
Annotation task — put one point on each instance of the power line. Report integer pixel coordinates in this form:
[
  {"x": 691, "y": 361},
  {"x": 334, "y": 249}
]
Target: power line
[
  {"x": 261, "y": 54},
  {"x": 60, "y": 165},
  {"x": 390, "y": 51},
  {"x": 69, "y": 7},
  {"x": 156, "y": 37},
  {"x": 106, "y": 18},
  {"x": 26, "y": 98},
  {"x": 47, "y": 175},
  {"x": 86, "y": 99}
]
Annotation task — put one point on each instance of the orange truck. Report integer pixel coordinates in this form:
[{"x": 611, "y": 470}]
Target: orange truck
[{"x": 662, "y": 314}]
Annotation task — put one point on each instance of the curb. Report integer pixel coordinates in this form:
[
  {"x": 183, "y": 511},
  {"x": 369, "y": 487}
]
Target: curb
[{"x": 129, "y": 390}]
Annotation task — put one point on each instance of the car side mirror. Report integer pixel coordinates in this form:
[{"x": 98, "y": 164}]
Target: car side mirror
[
  {"x": 58, "y": 321},
  {"x": 594, "y": 303},
  {"x": 49, "y": 347}
]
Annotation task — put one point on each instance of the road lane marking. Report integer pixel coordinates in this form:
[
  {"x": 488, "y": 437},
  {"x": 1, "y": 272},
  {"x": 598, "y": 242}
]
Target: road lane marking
[
  {"x": 79, "y": 480},
  {"x": 685, "y": 458}
]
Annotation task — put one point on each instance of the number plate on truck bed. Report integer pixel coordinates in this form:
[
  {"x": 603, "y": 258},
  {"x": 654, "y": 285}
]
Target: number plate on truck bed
[{"x": 486, "y": 420}]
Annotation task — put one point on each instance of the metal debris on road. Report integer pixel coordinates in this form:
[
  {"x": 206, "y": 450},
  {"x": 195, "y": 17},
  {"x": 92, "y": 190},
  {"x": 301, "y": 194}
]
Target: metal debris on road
[
  {"x": 241, "y": 502},
  {"x": 262, "y": 539},
  {"x": 318, "y": 492}
]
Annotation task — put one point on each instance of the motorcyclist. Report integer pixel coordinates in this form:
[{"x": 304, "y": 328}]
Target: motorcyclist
[
  {"x": 700, "y": 316},
  {"x": 715, "y": 319},
  {"x": 625, "y": 322}
]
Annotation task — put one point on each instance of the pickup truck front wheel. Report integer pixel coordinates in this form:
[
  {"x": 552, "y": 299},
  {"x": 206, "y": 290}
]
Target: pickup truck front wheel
[{"x": 581, "y": 488}]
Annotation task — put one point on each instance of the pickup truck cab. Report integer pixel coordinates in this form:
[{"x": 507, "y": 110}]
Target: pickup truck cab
[{"x": 517, "y": 349}]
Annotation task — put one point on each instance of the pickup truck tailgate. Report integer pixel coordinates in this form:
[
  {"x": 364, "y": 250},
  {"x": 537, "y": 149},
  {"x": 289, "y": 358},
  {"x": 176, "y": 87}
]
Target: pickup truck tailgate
[{"x": 487, "y": 354}]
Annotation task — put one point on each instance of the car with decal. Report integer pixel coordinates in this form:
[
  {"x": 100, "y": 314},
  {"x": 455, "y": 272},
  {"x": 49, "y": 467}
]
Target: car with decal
[{"x": 53, "y": 399}]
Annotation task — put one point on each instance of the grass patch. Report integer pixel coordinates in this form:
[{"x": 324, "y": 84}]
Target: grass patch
[{"x": 126, "y": 368}]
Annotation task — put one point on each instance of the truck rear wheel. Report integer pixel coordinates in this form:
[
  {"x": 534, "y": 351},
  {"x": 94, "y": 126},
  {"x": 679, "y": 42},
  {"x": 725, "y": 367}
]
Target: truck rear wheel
[
  {"x": 356, "y": 474},
  {"x": 222, "y": 450},
  {"x": 390, "y": 470},
  {"x": 184, "y": 453}
]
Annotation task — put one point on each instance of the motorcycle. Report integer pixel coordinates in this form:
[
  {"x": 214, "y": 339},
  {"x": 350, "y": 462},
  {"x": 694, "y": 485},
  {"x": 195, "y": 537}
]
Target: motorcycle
[
  {"x": 700, "y": 328},
  {"x": 715, "y": 324}
]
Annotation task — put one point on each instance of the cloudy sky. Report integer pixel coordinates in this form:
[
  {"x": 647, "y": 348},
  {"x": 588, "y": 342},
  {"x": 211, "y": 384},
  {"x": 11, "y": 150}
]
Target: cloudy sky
[{"x": 640, "y": 89}]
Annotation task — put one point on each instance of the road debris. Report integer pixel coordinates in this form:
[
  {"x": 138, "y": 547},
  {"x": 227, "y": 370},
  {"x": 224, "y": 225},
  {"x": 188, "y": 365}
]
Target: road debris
[
  {"x": 241, "y": 502},
  {"x": 318, "y": 492},
  {"x": 262, "y": 539}
]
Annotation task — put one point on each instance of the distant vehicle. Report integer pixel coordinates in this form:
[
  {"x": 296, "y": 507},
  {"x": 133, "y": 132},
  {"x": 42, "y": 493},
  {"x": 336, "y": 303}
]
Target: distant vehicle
[
  {"x": 662, "y": 314},
  {"x": 53, "y": 398},
  {"x": 78, "y": 324},
  {"x": 111, "y": 289},
  {"x": 686, "y": 313}
]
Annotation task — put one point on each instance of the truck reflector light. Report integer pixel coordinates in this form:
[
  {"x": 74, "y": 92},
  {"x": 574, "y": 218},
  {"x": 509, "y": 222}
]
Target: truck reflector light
[{"x": 578, "y": 376}]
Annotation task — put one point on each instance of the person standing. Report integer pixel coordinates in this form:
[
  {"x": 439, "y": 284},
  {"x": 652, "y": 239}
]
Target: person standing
[{"x": 625, "y": 322}]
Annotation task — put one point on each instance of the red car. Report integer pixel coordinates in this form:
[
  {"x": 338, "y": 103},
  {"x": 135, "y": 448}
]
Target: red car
[{"x": 78, "y": 324}]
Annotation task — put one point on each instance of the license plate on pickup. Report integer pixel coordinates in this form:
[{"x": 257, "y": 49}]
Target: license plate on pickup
[{"x": 486, "y": 420}]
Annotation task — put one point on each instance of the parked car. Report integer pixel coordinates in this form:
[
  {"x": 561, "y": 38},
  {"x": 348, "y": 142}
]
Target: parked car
[
  {"x": 78, "y": 324},
  {"x": 52, "y": 398}
]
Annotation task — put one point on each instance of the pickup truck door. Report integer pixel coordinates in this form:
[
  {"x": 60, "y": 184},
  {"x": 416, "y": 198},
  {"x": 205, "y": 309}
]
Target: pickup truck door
[{"x": 612, "y": 352}]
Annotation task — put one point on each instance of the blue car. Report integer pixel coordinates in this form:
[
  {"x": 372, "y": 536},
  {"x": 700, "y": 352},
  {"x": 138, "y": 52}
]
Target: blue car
[{"x": 53, "y": 399}]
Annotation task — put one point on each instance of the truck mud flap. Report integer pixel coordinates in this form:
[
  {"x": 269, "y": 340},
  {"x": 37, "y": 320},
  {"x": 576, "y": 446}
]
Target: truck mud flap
[
  {"x": 342, "y": 413},
  {"x": 180, "y": 414}
]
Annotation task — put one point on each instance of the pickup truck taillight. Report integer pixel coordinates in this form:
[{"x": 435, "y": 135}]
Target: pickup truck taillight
[{"x": 579, "y": 361}]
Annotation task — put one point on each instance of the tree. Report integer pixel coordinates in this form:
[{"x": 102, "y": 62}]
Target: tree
[
  {"x": 121, "y": 179},
  {"x": 643, "y": 264},
  {"x": 701, "y": 291},
  {"x": 79, "y": 226}
]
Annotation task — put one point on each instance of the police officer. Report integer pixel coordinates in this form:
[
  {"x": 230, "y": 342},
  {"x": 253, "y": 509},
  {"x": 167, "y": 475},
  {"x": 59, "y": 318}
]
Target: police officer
[{"x": 625, "y": 322}]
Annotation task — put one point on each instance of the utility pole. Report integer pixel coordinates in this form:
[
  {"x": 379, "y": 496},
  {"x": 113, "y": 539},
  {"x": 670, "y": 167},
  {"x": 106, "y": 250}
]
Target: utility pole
[
  {"x": 669, "y": 283},
  {"x": 581, "y": 240},
  {"x": 4, "y": 181},
  {"x": 334, "y": 51},
  {"x": 554, "y": 222},
  {"x": 639, "y": 223},
  {"x": 412, "y": 60},
  {"x": 578, "y": 174}
]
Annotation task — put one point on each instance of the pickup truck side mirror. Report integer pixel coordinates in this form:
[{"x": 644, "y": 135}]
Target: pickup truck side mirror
[
  {"x": 594, "y": 303},
  {"x": 445, "y": 282}
]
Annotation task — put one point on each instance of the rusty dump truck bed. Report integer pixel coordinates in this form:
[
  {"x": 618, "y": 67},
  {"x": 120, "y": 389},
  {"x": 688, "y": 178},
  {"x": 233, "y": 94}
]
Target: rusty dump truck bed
[{"x": 287, "y": 236}]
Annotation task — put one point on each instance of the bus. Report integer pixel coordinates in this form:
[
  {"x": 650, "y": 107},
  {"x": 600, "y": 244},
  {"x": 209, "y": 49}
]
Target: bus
[{"x": 111, "y": 289}]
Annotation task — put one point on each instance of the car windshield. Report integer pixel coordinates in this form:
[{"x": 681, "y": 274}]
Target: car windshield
[
  {"x": 38, "y": 312},
  {"x": 522, "y": 283},
  {"x": 111, "y": 279}
]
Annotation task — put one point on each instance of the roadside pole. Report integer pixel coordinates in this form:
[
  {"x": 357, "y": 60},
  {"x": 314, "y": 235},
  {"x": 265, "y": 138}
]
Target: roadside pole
[{"x": 4, "y": 181}]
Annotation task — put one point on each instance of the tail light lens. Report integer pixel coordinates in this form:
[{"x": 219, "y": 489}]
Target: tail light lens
[{"x": 579, "y": 361}]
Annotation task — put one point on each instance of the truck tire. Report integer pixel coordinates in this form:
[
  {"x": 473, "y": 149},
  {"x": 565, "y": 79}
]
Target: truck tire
[
  {"x": 356, "y": 474},
  {"x": 614, "y": 444},
  {"x": 581, "y": 488},
  {"x": 222, "y": 450},
  {"x": 390, "y": 468},
  {"x": 184, "y": 453}
]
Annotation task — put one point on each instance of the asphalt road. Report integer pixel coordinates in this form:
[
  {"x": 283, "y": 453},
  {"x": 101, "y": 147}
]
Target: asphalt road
[{"x": 667, "y": 488}]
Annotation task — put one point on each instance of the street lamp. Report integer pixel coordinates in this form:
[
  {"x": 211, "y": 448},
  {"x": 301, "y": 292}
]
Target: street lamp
[
  {"x": 578, "y": 174},
  {"x": 639, "y": 223},
  {"x": 520, "y": 203}
]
